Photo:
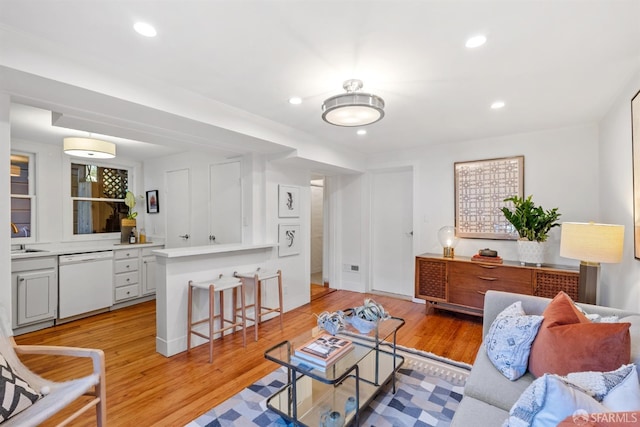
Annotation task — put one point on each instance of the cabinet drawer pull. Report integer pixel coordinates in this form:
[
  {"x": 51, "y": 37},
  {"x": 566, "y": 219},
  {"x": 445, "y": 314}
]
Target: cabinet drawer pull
[
  {"x": 490, "y": 279},
  {"x": 488, "y": 266}
]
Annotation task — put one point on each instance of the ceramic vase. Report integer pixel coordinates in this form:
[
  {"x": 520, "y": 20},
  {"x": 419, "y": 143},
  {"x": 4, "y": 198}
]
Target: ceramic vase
[{"x": 531, "y": 252}]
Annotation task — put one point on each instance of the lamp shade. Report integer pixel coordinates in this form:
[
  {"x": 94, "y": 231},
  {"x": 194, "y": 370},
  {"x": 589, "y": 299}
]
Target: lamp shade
[
  {"x": 591, "y": 242},
  {"x": 447, "y": 236},
  {"x": 89, "y": 147},
  {"x": 15, "y": 170}
]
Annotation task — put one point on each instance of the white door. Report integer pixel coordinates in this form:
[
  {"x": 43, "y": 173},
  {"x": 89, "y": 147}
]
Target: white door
[
  {"x": 225, "y": 203},
  {"x": 392, "y": 232},
  {"x": 178, "y": 202}
]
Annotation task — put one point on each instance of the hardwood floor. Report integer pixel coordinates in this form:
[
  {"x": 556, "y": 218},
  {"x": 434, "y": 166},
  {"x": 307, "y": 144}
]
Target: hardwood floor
[{"x": 145, "y": 388}]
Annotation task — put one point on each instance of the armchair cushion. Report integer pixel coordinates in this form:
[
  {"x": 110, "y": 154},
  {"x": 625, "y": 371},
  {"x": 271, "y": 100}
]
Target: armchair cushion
[{"x": 15, "y": 393}]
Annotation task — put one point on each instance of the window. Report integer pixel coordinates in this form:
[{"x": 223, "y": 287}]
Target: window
[
  {"x": 98, "y": 195},
  {"x": 23, "y": 197}
]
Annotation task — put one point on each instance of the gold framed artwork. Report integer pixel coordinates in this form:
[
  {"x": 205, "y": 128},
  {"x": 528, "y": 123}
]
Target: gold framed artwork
[
  {"x": 635, "y": 137},
  {"x": 480, "y": 189}
]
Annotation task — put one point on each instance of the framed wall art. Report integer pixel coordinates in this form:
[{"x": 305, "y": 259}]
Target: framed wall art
[
  {"x": 635, "y": 136},
  {"x": 153, "y": 204},
  {"x": 288, "y": 201},
  {"x": 480, "y": 189},
  {"x": 288, "y": 239}
]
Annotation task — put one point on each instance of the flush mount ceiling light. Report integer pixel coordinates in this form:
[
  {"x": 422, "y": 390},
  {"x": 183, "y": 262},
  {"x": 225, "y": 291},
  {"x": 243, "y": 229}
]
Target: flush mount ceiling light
[
  {"x": 89, "y": 148},
  {"x": 353, "y": 108},
  {"x": 145, "y": 29},
  {"x": 475, "y": 41}
]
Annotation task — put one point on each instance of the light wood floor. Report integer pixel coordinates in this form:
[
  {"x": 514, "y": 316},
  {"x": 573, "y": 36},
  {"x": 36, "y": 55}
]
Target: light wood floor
[{"x": 145, "y": 388}]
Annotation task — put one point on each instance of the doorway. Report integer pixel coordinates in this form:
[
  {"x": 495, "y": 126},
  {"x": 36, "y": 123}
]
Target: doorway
[{"x": 319, "y": 286}]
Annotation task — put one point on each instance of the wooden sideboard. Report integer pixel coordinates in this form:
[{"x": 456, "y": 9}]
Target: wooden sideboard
[{"x": 459, "y": 284}]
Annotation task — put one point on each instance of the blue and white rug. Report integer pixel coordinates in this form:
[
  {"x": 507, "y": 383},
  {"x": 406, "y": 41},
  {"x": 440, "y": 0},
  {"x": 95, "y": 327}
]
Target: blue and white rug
[{"x": 429, "y": 389}]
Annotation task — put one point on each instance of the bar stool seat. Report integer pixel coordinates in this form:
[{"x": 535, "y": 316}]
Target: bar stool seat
[
  {"x": 215, "y": 288},
  {"x": 259, "y": 277}
]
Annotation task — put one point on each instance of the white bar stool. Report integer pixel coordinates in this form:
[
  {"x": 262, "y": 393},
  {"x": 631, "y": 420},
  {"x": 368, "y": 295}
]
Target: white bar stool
[
  {"x": 217, "y": 287},
  {"x": 260, "y": 311}
]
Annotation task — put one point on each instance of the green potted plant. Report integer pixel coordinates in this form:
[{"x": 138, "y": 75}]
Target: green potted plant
[
  {"x": 129, "y": 223},
  {"x": 532, "y": 223}
]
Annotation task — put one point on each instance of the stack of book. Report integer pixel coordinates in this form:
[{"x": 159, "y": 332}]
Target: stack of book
[{"x": 322, "y": 352}]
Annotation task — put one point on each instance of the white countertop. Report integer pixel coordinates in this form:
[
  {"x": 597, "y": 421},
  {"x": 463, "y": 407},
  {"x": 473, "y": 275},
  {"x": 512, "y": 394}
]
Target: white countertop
[
  {"x": 55, "y": 249},
  {"x": 209, "y": 249}
]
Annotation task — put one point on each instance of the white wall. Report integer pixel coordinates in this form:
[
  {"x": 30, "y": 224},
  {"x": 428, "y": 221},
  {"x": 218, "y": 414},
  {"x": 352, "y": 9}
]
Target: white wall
[
  {"x": 561, "y": 170},
  {"x": 5, "y": 194},
  {"x": 317, "y": 221},
  {"x": 619, "y": 283}
]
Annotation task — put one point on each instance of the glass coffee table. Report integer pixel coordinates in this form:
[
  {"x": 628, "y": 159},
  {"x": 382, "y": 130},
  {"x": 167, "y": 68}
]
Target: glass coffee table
[{"x": 337, "y": 395}]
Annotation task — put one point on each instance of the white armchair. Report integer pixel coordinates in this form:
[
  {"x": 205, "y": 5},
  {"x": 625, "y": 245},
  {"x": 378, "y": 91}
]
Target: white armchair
[{"x": 57, "y": 395}]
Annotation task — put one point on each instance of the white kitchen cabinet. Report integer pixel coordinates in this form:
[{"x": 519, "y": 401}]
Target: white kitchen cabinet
[
  {"x": 34, "y": 285},
  {"x": 148, "y": 271},
  {"x": 126, "y": 272},
  {"x": 134, "y": 274}
]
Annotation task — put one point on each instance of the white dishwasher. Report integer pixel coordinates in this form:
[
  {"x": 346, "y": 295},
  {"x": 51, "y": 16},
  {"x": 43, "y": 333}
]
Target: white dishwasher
[{"x": 85, "y": 283}]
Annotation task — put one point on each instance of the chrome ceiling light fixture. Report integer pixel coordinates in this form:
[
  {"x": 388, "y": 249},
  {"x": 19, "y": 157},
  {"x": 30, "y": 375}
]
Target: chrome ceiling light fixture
[
  {"x": 353, "y": 108},
  {"x": 89, "y": 148}
]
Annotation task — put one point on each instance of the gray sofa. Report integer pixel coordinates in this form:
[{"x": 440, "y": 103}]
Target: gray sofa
[{"x": 488, "y": 395}]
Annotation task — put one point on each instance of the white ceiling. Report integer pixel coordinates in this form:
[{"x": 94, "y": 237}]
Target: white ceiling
[{"x": 555, "y": 63}]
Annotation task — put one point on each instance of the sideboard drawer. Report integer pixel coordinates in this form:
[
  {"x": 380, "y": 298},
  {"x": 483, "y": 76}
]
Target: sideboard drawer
[{"x": 486, "y": 272}]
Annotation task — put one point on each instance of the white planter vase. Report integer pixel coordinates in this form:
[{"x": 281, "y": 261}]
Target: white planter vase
[{"x": 531, "y": 252}]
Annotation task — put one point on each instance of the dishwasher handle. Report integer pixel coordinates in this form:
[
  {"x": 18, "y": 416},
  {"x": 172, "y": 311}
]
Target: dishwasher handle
[{"x": 85, "y": 257}]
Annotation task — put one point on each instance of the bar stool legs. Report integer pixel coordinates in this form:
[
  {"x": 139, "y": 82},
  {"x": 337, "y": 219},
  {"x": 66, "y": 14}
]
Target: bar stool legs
[
  {"x": 217, "y": 287},
  {"x": 260, "y": 310}
]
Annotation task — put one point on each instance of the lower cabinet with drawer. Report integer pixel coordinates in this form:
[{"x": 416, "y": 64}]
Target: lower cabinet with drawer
[
  {"x": 126, "y": 272},
  {"x": 459, "y": 284}
]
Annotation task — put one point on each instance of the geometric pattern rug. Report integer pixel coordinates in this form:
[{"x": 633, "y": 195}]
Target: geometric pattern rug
[{"x": 428, "y": 391}]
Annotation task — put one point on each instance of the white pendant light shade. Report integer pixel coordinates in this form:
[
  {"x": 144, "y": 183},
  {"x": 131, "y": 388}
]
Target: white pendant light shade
[
  {"x": 353, "y": 108},
  {"x": 89, "y": 148}
]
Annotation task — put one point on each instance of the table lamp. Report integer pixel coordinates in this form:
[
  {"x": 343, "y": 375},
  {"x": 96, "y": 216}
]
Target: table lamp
[
  {"x": 592, "y": 244},
  {"x": 448, "y": 240}
]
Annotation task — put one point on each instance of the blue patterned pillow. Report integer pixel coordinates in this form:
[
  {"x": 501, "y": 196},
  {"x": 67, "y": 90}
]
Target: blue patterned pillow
[
  {"x": 508, "y": 342},
  {"x": 549, "y": 400}
]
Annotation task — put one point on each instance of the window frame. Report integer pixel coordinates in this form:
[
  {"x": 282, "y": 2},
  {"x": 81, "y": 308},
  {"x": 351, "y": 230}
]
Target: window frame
[
  {"x": 68, "y": 199},
  {"x": 31, "y": 196}
]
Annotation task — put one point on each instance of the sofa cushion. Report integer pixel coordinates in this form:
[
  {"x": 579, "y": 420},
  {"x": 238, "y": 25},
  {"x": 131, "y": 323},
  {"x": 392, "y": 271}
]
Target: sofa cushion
[
  {"x": 474, "y": 412},
  {"x": 509, "y": 340},
  {"x": 548, "y": 401},
  {"x": 486, "y": 383},
  {"x": 568, "y": 342},
  {"x": 15, "y": 394}
]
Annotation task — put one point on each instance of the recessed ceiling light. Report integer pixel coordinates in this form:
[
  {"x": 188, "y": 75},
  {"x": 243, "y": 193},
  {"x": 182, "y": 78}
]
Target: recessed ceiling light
[
  {"x": 145, "y": 29},
  {"x": 361, "y": 132},
  {"x": 475, "y": 41},
  {"x": 295, "y": 100},
  {"x": 497, "y": 105}
]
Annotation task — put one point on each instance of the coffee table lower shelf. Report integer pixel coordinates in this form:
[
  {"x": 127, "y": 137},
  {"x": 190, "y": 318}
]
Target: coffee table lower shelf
[{"x": 316, "y": 399}]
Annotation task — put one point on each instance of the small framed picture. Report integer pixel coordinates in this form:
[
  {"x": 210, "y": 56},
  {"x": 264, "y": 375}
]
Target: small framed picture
[
  {"x": 153, "y": 205},
  {"x": 288, "y": 239},
  {"x": 288, "y": 203}
]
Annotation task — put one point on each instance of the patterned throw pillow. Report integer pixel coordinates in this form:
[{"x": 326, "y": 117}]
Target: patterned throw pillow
[
  {"x": 508, "y": 342},
  {"x": 551, "y": 398},
  {"x": 15, "y": 394}
]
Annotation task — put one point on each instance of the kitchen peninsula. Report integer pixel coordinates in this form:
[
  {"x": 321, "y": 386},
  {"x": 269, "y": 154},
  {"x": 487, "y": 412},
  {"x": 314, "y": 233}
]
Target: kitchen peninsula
[{"x": 175, "y": 267}]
